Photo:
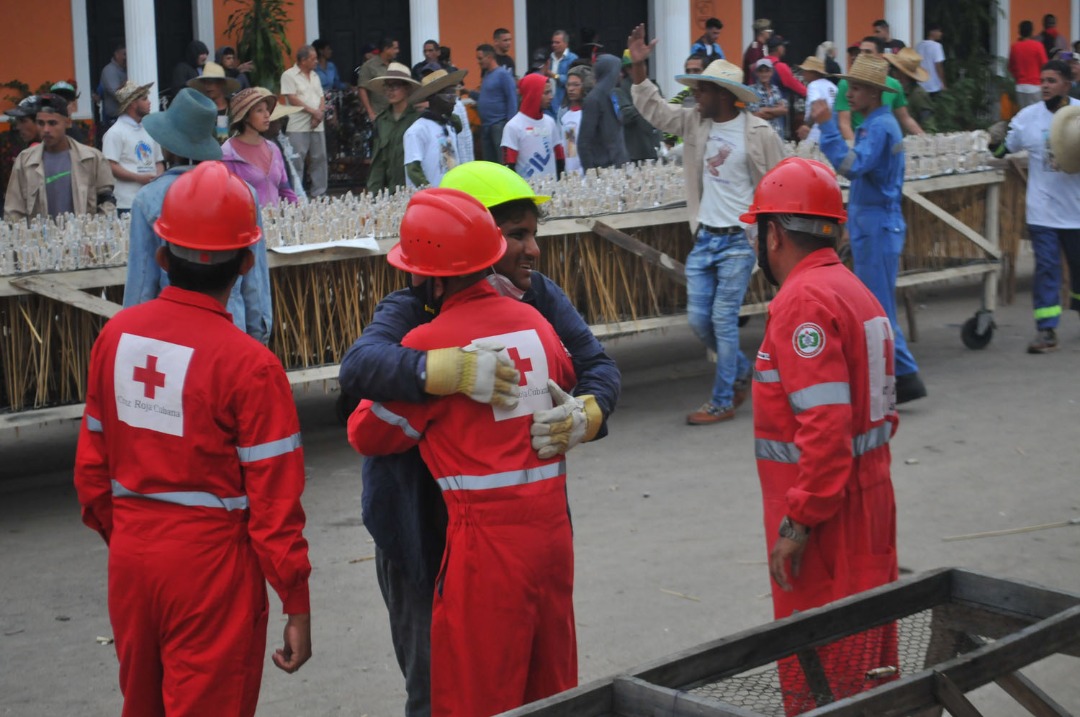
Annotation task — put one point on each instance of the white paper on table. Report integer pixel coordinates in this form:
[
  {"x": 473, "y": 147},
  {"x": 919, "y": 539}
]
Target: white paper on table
[{"x": 365, "y": 244}]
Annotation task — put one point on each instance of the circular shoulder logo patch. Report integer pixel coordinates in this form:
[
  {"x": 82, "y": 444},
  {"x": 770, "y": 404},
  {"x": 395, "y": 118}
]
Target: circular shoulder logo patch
[{"x": 808, "y": 340}]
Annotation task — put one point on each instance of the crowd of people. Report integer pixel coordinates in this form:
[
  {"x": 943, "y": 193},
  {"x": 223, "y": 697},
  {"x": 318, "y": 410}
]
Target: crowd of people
[{"x": 476, "y": 381}]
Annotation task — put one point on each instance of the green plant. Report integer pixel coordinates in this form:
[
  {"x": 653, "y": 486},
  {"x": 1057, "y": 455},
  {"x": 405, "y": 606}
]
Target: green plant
[
  {"x": 258, "y": 27},
  {"x": 974, "y": 76}
]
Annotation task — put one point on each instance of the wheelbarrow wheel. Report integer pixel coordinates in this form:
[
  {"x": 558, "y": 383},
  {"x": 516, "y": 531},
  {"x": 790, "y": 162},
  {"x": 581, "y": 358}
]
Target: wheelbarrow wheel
[{"x": 971, "y": 337}]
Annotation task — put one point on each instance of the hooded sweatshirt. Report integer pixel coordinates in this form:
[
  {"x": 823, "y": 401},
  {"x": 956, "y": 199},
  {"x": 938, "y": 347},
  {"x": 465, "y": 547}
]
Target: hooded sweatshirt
[
  {"x": 600, "y": 141},
  {"x": 188, "y": 68},
  {"x": 531, "y": 139}
]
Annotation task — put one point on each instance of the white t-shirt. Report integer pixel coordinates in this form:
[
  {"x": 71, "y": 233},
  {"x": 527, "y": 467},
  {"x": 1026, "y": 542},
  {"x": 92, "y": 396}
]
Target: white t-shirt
[
  {"x": 130, "y": 146},
  {"x": 726, "y": 189},
  {"x": 535, "y": 142},
  {"x": 1053, "y": 197},
  {"x": 434, "y": 146},
  {"x": 819, "y": 89},
  {"x": 571, "y": 124},
  {"x": 932, "y": 53}
]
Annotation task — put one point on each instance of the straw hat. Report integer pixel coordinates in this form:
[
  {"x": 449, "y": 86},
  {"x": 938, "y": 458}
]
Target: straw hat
[
  {"x": 242, "y": 102},
  {"x": 394, "y": 71},
  {"x": 910, "y": 63},
  {"x": 129, "y": 92},
  {"x": 813, "y": 64},
  {"x": 214, "y": 71},
  {"x": 281, "y": 110},
  {"x": 724, "y": 74},
  {"x": 870, "y": 71},
  {"x": 435, "y": 83},
  {"x": 1065, "y": 138}
]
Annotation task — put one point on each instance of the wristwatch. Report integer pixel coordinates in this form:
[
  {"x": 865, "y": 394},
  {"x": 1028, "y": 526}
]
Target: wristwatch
[{"x": 789, "y": 531}]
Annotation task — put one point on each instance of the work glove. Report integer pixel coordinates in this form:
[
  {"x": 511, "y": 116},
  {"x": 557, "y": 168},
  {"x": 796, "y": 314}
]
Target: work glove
[
  {"x": 479, "y": 371},
  {"x": 572, "y": 421}
]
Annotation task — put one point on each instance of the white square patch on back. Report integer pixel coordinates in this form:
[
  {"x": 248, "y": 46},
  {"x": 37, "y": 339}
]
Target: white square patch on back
[
  {"x": 526, "y": 352},
  {"x": 148, "y": 380}
]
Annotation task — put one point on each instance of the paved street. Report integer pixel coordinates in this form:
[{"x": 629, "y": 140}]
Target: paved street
[{"x": 669, "y": 545}]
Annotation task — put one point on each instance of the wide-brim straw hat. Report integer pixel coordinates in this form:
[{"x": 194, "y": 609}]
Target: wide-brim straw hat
[
  {"x": 242, "y": 102},
  {"x": 394, "y": 71},
  {"x": 435, "y": 83},
  {"x": 870, "y": 71},
  {"x": 1065, "y": 138},
  {"x": 214, "y": 71},
  {"x": 725, "y": 75},
  {"x": 129, "y": 92},
  {"x": 281, "y": 111},
  {"x": 187, "y": 128},
  {"x": 910, "y": 63},
  {"x": 813, "y": 64}
]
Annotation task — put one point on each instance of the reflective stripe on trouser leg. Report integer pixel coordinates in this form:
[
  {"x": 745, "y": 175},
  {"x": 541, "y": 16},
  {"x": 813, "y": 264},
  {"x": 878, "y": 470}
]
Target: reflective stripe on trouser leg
[
  {"x": 876, "y": 239},
  {"x": 209, "y": 602},
  {"x": 1046, "y": 284},
  {"x": 502, "y": 630}
]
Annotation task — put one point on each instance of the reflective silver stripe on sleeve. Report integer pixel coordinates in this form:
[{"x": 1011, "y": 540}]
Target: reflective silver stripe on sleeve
[
  {"x": 191, "y": 498},
  {"x": 847, "y": 164},
  {"x": 770, "y": 376},
  {"x": 262, "y": 451},
  {"x": 822, "y": 394},
  {"x": 874, "y": 438},
  {"x": 505, "y": 479},
  {"x": 777, "y": 451},
  {"x": 93, "y": 424},
  {"x": 392, "y": 418}
]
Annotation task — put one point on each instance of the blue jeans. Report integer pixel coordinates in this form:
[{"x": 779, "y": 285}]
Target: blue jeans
[
  {"x": 491, "y": 142},
  {"x": 877, "y": 238},
  {"x": 717, "y": 274},
  {"x": 1046, "y": 290}
]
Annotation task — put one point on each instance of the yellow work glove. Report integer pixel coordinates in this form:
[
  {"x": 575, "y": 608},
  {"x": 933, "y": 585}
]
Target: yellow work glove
[
  {"x": 573, "y": 420},
  {"x": 479, "y": 371}
]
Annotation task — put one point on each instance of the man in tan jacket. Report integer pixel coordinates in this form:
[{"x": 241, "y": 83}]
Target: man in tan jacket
[
  {"x": 726, "y": 152},
  {"x": 59, "y": 175}
]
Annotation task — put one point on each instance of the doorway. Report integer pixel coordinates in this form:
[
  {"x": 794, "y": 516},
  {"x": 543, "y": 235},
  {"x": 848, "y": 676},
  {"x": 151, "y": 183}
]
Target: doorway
[
  {"x": 349, "y": 25},
  {"x": 803, "y": 23},
  {"x": 612, "y": 20}
]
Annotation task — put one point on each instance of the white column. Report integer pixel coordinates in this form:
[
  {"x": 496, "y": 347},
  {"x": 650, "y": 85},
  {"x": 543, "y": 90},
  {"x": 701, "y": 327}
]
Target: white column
[
  {"x": 837, "y": 29},
  {"x": 141, "y": 38},
  {"x": 898, "y": 15},
  {"x": 521, "y": 38},
  {"x": 671, "y": 26},
  {"x": 203, "y": 21},
  {"x": 424, "y": 25},
  {"x": 1002, "y": 38},
  {"x": 918, "y": 22},
  {"x": 81, "y": 45},
  {"x": 1074, "y": 21},
  {"x": 311, "y": 21}
]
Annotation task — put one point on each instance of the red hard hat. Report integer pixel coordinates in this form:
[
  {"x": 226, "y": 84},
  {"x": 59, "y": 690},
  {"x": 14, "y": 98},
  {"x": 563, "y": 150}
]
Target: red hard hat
[
  {"x": 210, "y": 209},
  {"x": 446, "y": 232},
  {"x": 798, "y": 186}
]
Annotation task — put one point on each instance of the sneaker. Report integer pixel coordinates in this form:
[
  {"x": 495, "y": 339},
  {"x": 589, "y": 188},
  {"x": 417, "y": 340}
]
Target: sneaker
[
  {"x": 708, "y": 413},
  {"x": 1044, "y": 342},
  {"x": 909, "y": 387},
  {"x": 741, "y": 387}
]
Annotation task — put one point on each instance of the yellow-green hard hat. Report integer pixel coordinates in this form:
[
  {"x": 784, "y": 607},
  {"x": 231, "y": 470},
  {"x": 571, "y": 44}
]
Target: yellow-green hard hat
[{"x": 492, "y": 184}]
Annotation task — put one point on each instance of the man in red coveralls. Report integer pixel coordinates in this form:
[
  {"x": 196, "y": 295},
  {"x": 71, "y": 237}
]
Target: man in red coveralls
[
  {"x": 189, "y": 465},
  {"x": 824, "y": 411},
  {"x": 502, "y": 629}
]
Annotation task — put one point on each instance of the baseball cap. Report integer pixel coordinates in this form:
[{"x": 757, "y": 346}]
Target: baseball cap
[
  {"x": 53, "y": 103},
  {"x": 27, "y": 107},
  {"x": 763, "y": 62},
  {"x": 65, "y": 89},
  {"x": 777, "y": 41}
]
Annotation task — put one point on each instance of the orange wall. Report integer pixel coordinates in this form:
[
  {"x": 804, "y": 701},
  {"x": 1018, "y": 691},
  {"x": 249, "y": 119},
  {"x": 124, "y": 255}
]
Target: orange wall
[
  {"x": 860, "y": 20},
  {"x": 461, "y": 31},
  {"x": 295, "y": 32},
  {"x": 1020, "y": 10},
  {"x": 728, "y": 12},
  {"x": 25, "y": 56}
]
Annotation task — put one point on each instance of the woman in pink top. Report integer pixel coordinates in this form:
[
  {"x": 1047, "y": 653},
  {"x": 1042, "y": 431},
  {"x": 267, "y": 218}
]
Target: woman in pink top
[{"x": 248, "y": 154}]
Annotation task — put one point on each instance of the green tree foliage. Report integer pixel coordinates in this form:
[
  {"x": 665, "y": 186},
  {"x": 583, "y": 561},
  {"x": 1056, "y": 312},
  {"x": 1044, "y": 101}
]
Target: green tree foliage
[{"x": 258, "y": 27}]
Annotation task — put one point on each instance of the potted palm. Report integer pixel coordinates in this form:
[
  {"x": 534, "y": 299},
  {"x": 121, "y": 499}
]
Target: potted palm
[{"x": 258, "y": 27}]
